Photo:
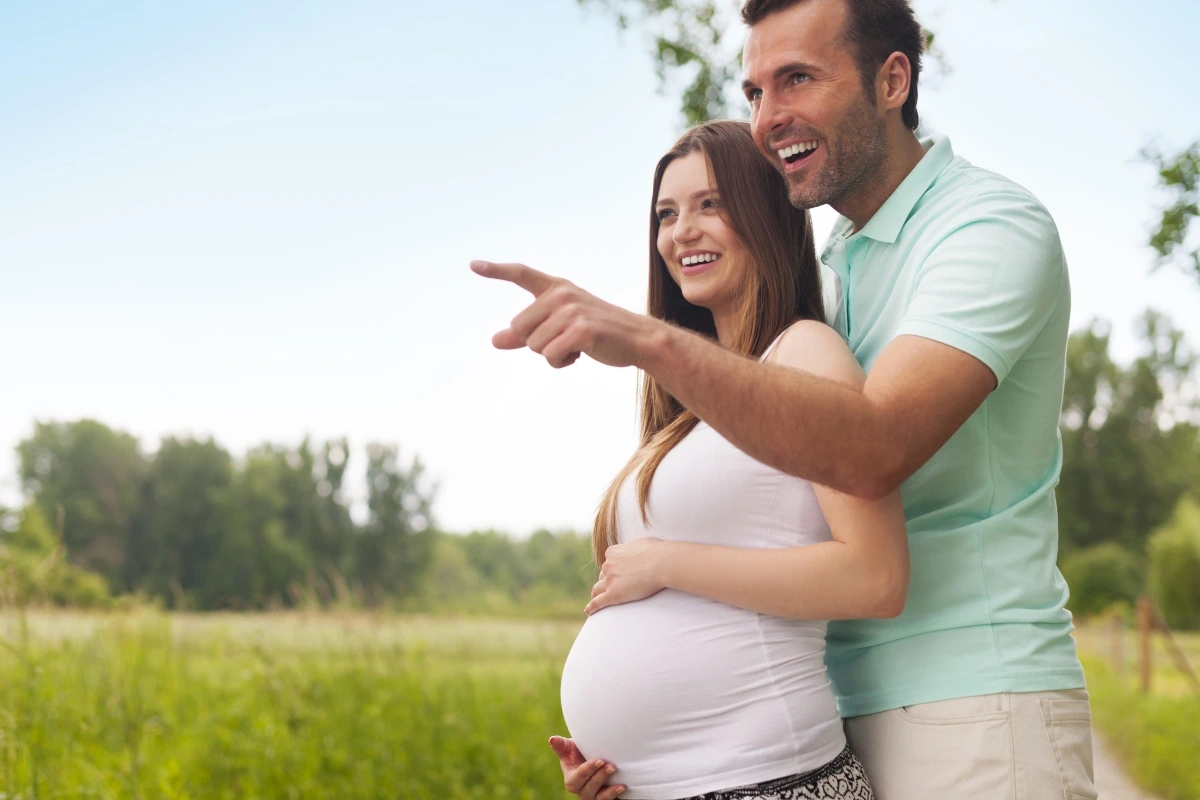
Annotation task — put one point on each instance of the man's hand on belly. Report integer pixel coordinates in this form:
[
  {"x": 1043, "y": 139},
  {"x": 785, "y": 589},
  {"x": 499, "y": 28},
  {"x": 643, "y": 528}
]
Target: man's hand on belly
[{"x": 581, "y": 777}]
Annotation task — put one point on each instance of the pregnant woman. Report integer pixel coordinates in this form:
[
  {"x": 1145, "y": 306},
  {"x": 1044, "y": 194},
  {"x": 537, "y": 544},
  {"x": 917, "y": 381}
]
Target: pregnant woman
[{"x": 700, "y": 670}]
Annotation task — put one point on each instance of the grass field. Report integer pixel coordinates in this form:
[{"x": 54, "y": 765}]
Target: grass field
[
  {"x": 278, "y": 706},
  {"x": 1156, "y": 736},
  {"x": 146, "y": 705}
]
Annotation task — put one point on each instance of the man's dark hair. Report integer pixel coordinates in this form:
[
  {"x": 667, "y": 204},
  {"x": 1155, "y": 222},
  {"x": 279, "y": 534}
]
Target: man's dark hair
[{"x": 874, "y": 30}]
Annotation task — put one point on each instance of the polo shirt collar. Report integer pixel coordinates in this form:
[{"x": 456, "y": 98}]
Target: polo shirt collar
[{"x": 885, "y": 226}]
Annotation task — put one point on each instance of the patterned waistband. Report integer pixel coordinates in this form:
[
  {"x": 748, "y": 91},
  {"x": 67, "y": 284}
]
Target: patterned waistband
[{"x": 791, "y": 785}]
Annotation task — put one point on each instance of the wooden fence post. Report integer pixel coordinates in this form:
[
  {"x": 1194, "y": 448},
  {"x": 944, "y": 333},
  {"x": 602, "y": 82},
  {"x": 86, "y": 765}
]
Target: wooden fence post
[
  {"x": 1176, "y": 652},
  {"x": 1145, "y": 626},
  {"x": 1117, "y": 630}
]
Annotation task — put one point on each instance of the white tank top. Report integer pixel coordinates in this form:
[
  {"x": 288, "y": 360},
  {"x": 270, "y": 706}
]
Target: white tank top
[{"x": 687, "y": 695}]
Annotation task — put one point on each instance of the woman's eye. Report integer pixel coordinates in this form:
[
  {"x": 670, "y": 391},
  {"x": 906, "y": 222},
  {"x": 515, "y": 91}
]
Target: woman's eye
[
  {"x": 709, "y": 203},
  {"x": 664, "y": 213}
]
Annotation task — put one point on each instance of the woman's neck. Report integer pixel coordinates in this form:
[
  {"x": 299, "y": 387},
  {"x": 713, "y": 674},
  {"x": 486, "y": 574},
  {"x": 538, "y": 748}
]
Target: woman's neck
[{"x": 724, "y": 320}]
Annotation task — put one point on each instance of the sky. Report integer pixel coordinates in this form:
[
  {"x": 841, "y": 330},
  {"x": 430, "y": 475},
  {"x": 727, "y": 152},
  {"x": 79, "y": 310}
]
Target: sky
[{"x": 253, "y": 220}]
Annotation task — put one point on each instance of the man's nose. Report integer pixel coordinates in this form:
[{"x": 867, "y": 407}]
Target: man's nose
[{"x": 772, "y": 115}]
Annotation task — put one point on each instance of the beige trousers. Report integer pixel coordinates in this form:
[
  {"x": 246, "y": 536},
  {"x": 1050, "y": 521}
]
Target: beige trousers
[{"x": 1021, "y": 746}]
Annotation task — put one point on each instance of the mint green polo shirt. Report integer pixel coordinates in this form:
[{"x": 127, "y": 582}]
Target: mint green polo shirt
[{"x": 967, "y": 258}]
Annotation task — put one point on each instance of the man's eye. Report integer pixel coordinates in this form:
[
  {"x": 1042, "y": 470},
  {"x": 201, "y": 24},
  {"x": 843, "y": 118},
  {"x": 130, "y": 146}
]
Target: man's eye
[
  {"x": 754, "y": 95},
  {"x": 799, "y": 77}
]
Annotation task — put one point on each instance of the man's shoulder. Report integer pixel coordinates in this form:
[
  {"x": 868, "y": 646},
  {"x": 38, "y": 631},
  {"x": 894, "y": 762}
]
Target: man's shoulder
[{"x": 964, "y": 191}]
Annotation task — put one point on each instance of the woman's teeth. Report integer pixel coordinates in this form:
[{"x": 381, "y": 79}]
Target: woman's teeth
[
  {"x": 700, "y": 259},
  {"x": 796, "y": 149}
]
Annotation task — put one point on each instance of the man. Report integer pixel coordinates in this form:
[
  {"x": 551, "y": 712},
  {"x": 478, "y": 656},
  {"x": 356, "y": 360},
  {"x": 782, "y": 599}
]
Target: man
[{"x": 955, "y": 299}]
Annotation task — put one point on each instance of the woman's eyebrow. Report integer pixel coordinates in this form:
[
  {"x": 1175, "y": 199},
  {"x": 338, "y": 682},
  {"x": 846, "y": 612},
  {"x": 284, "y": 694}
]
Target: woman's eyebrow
[{"x": 667, "y": 201}]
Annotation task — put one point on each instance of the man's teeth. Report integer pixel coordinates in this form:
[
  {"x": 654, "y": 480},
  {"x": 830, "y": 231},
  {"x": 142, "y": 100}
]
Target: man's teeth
[
  {"x": 797, "y": 149},
  {"x": 704, "y": 258}
]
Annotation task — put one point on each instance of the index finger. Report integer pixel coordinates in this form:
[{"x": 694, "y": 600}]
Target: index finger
[{"x": 527, "y": 278}]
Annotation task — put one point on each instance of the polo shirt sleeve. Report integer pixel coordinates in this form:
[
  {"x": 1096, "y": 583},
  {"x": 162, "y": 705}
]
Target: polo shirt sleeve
[{"x": 992, "y": 283}]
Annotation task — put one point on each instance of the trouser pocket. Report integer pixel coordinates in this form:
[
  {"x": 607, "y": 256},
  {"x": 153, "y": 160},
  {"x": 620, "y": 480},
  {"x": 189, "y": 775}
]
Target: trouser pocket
[{"x": 1068, "y": 726}]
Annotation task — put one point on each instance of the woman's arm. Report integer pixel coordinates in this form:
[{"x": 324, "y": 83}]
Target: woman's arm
[{"x": 862, "y": 573}]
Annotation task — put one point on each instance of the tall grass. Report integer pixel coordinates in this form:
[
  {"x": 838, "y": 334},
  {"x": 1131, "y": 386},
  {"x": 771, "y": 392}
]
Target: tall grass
[
  {"x": 1156, "y": 735},
  {"x": 278, "y": 706}
]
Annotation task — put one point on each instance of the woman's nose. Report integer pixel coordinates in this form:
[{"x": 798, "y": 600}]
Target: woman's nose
[{"x": 684, "y": 231}]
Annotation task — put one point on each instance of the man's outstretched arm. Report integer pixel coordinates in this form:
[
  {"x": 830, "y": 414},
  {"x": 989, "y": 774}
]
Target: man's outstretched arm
[{"x": 862, "y": 442}]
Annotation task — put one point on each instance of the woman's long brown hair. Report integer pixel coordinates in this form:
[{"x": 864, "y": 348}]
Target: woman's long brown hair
[{"x": 783, "y": 284}]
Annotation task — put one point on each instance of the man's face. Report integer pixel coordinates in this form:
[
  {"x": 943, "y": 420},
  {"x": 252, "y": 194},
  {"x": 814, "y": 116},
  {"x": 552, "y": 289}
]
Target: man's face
[{"x": 810, "y": 115}]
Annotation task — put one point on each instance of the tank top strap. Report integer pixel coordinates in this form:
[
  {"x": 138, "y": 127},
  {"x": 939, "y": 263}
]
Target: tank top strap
[{"x": 771, "y": 346}]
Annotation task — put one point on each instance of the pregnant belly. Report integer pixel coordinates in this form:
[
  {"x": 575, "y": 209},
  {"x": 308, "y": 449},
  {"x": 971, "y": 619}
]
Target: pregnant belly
[{"x": 675, "y": 688}]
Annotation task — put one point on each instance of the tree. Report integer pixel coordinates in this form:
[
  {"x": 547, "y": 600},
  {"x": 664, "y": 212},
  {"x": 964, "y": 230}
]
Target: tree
[
  {"x": 258, "y": 561},
  {"x": 1179, "y": 178},
  {"x": 1130, "y": 439},
  {"x": 690, "y": 49},
  {"x": 396, "y": 544},
  {"x": 1101, "y": 577},
  {"x": 184, "y": 518},
  {"x": 33, "y": 567},
  {"x": 192, "y": 526},
  {"x": 697, "y": 51},
  {"x": 1175, "y": 564},
  {"x": 93, "y": 474}
]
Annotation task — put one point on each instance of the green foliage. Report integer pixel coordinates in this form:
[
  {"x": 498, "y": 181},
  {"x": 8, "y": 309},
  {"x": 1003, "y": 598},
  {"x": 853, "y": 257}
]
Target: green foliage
[
  {"x": 1156, "y": 737},
  {"x": 1179, "y": 178},
  {"x": 190, "y": 526},
  {"x": 91, "y": 475},
  {"x": 1131, "y": 446},
  {"x": 691, "y": 51},
  {"x": 313, "y": 707},
  {"x": 1101, "y": 577},
  {"x": 697, "y": 52},
  {"x": 34, "y": 570},
  {"x": 1175, "y": 566},
  {"x": 395, "y": 547},
  {"x": 485, "y": 572}
]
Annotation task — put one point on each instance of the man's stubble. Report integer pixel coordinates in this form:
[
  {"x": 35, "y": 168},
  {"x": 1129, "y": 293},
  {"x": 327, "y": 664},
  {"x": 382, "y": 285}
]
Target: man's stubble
[{"x": 854, "y": 153}]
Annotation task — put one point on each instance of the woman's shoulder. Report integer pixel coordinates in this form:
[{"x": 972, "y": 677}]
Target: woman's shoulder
[{"x": 815, "y": 347}]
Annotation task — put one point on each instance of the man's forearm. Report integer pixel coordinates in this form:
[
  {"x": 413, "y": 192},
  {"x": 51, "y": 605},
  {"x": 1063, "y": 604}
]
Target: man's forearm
[{"x": 794, "y": 421}]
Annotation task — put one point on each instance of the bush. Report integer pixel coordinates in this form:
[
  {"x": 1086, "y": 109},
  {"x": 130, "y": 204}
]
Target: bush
[
  {"x": 1175, "y": 566},
  {"x": 34, "y": 569},
  {"x": 1100, "y": 577}
]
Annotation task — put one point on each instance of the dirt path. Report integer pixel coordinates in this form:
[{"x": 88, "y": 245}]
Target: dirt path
[{"x": 1111, "y": 781}]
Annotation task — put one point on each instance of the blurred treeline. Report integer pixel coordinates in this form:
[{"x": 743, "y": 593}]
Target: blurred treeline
[{"x": 191, "y": 526}]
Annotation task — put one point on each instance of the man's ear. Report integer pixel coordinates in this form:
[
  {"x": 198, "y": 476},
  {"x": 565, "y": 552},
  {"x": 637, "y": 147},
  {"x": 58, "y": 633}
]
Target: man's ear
[{"x": 893, "y": 82}]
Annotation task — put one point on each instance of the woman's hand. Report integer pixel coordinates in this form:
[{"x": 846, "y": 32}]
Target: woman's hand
[
  {"x": 631, "y": 572},
  {"x": 582, "y": 777}
]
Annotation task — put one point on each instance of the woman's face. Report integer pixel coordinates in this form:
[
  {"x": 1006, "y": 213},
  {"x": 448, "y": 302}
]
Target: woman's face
[{"x": 702, "y": 252}]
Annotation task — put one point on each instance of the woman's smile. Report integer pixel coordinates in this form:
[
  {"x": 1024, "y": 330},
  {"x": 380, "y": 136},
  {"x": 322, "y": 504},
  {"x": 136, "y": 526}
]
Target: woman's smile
[{"x": 693, "y": 262}]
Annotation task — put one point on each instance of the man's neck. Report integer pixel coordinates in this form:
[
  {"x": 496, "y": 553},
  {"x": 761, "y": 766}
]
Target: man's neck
[{"x": 904, "y": 153}]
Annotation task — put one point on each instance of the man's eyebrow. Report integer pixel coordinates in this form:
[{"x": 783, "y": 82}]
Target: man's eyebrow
[
  {"x": 786, "y": 69},
  {"x": 795, "y": 66}
]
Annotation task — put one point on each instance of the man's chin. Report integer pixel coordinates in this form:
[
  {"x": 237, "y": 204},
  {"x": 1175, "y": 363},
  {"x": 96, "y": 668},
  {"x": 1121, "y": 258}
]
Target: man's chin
[{"x": 804, "y": 197}]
